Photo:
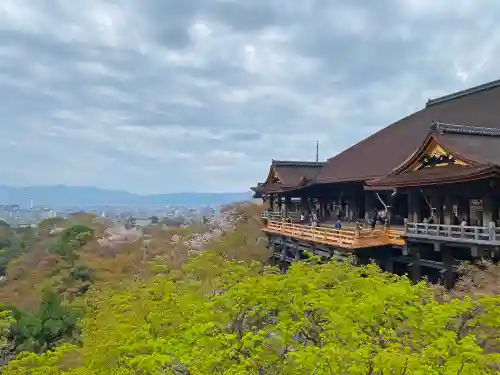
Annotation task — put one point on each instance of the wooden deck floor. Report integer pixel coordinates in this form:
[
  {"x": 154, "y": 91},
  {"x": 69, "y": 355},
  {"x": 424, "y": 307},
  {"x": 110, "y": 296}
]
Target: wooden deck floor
[{"x": 347, "y": 237}]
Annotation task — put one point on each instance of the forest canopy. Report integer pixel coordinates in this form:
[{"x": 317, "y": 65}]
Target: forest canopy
[{"x": 220, "y": 316}]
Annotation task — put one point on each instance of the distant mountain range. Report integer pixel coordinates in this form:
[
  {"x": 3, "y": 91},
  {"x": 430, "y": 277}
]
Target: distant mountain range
[{"x": 61, "y": 195}]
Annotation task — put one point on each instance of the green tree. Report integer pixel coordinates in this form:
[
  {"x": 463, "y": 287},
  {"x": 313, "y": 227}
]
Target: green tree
[
  {"x": 218, "y": 316},
  {"x": 70, "y": 240},
  {"x": 37, "y": 332},
  {"x": 6, "y": 321}
]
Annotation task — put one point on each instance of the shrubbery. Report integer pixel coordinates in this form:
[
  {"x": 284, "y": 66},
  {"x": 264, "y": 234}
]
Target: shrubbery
[
  {"x": 225, "y": 317},
  {"x": 41, "y": 330},
  {"x": 70, "y": 240},
  {"x": 221, "y": 313}
]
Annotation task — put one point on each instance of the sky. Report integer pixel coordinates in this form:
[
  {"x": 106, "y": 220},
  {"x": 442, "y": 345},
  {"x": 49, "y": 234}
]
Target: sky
[{"x": 163, "y": 96}]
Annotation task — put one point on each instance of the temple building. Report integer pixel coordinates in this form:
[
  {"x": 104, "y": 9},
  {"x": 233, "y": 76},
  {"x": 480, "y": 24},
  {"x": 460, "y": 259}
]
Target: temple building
[{"x": 417, "y": 197}]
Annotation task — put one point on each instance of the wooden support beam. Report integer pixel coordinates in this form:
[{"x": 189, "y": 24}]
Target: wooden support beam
[
  {"x": 416, "y": 269},
  {"x": 447, "y": 257}
]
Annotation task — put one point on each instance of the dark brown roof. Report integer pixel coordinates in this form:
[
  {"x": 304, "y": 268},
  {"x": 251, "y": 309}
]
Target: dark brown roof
[
  {"x": 479, "y": 145},
  {"x": 437, "y": 175},
  {"x": 379, "y": 154},
  {"x": 471, "y": 144},
  {"x": 290, "y": 174}
]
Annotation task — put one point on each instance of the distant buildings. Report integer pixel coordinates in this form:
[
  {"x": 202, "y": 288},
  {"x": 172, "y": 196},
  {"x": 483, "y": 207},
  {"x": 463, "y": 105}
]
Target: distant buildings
[{"x": 17, "y": 216}]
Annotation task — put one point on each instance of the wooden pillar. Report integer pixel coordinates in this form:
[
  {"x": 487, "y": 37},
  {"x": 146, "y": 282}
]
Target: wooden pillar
[
  {"x": 368, "y": 205},
  {"x": 303, "y": 204},
  {"x": 463, "y": 209},
  {"x": 297, "y": 251},
  {"x": 488, "y": 208},
  {"x": 288, "y": 204},
  {"x": 494, "y": 207},
  {"x": 414, "y": 207},
  {"x": 351, "y": 211},
  {"x": 437, "y": 203},
  {"x": 390, "y": 209},
  {"x": 271, "y": 202},
  {"x": 276, "y": 248},
  {"x": 447, "y": 257},
  {"x": 388, "y": 261},
  {"x": 361, "y": 203},
  {"x": 448, "y": 210},
  {"x": 416, "y": 270}
]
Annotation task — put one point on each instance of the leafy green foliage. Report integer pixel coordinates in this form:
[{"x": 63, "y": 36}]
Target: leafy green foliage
[
  {"x": 219, "y": 316},
  {"x": 37, "y": 332},
  {"x": 13, "y": 243},
  {"x": 6, "y": 321},
  {"x": 71, "y": 239},
  {"x": 221, "y": 313}
]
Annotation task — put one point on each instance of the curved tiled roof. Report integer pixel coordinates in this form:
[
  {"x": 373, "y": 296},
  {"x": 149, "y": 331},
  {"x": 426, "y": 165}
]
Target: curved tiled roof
[
  {"x": 436, "y": 176},
  {"x": 478, "y": 146},
  {"x": 382, "y": 152},
  {"x": 291, "y": 175}
]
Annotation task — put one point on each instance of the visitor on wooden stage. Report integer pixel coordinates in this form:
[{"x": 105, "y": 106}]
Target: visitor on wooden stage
[
  {"x": 338, "y": 225},
  {"x": 373, "y": 220},
  {"x": 428, "y": 220},
  {"x": 314, "y": 219},
  {"x": 359, "y": 226},
  {"x": 302, "y": 218}
]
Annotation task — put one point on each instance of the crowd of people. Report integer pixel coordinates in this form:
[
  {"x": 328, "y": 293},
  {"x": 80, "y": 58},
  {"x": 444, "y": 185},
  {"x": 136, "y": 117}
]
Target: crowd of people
[{"x": 312, "y": 218}]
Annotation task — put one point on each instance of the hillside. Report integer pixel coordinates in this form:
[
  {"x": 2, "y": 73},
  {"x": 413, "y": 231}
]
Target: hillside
[
  {"x": 38, "y": 269},
  {"x": 60, "y": 195},
  {"x": 199, "y": 301}
]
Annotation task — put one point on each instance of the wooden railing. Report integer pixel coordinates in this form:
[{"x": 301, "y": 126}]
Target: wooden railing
[
  {"x": 271, "y": 215},
  {"x": 362, "y": 238},
  {"x": 345, "y": 238},
  {"x": 396, "y": 237},
  {"x": 454, "y": 233},
  {"x": 277, "y": 215}
]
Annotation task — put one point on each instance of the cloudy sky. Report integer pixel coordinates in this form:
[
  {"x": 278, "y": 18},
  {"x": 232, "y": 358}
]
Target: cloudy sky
[{"x": 199, "y": 95}]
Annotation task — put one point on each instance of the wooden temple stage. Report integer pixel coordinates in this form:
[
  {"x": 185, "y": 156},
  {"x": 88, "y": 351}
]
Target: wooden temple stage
[
  {"x": 432, "y": 177},
  {"x": 346, "y": 238},
  {"x": 385, "y": 246}
]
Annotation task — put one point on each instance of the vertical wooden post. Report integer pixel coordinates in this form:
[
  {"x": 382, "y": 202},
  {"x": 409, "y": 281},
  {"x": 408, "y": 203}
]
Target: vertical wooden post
[
  {"x": 488, "y": 207},
  {"x": 414, "y": 207},
  {"x": 389, "y": 262},
  {"x": 288, "y": 204},
  {"x": 297, "y": 251},
  {"x": 437, "y": 203},
  {"x": 492, "y": 231},
  {"x": 416, "y": 267},
  {"x": 448, "y": 211},
  {"x": 463, "y": 208},
  {"x": 447, "y": 257}
]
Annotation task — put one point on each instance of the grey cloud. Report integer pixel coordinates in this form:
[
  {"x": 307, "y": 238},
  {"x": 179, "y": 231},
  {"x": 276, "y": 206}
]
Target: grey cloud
[
  {"x": 157, "y": 107},
  {"x": 244, "y": 136}
]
